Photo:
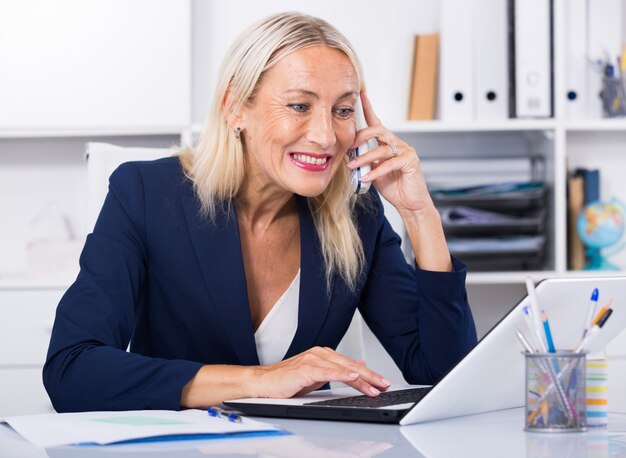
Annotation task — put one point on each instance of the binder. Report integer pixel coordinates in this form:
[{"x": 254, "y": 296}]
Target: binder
[
  {"x": 424, "y": 81},
  {"x": 575, "y": 199},
  {"x": 591, "y": 184},
  {"x": 456, "y": 76},
  {"x": 604, "y": 18},
  {"x": 490, "y": 60},
  {"x": 532, "y": 62},
  {"x": 576, "y": 59}
]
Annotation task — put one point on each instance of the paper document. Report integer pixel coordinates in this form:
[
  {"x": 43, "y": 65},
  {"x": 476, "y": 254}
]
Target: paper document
[{"x": 104, "y": 428}]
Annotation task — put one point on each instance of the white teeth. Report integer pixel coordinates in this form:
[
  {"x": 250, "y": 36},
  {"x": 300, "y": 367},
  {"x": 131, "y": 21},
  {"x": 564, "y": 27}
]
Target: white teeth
[{"x": 310, "y": 159}]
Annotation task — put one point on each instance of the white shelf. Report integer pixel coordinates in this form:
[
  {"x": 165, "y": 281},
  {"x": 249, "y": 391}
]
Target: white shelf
[
  {"x": 92, "y": 132},
  {"x": 597, "y": 125},
  {"x": 475, "y": 126}
]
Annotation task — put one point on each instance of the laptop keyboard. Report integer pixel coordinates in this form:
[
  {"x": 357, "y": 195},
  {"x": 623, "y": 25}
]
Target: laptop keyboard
[{"x": 388, "y": 398}]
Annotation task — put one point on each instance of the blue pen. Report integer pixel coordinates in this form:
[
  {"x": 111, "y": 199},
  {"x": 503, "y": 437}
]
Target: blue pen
[
  {"x": 591, "y": 311},
  {"x": 218, "y": 412},
  {"x": 546, "y": 328}
]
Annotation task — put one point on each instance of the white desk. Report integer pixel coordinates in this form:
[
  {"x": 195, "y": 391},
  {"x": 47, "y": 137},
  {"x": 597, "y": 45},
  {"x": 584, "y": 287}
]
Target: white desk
[{"x": 498, "y": 434}]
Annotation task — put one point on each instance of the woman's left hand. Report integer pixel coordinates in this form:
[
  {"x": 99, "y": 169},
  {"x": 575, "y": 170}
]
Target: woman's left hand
[{"x": 396, "y": 169}]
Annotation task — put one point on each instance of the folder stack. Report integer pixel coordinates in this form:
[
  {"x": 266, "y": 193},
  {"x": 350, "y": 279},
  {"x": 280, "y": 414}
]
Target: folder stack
[
  {"x": 496, "y": 60},
  {"x": 495, "y": 226}
]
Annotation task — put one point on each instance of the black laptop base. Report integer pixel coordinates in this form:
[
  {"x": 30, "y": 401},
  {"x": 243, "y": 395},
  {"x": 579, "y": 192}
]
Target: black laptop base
[{"x": 320, "y": 413}]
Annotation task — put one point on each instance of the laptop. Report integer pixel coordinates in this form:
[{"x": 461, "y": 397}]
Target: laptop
[{"x": 490, "y": 377}]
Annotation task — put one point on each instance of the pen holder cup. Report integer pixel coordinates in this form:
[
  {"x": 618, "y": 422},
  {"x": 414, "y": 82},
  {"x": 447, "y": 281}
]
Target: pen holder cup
[
  {"x": 555, "y": 392},
  {"x": 613, "y": 96}
]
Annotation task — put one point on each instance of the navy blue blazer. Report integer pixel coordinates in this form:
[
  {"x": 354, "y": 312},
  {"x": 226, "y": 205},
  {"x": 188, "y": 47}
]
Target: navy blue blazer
[{"x": 158, "y": 276}]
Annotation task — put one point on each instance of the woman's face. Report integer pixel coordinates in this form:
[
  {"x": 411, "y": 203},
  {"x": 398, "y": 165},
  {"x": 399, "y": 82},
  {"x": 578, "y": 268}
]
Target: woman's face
[{"x": 301, "y": 123}]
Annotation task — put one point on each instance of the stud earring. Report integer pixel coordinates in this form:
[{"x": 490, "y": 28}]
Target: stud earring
[{"x": 237, "y": 133}]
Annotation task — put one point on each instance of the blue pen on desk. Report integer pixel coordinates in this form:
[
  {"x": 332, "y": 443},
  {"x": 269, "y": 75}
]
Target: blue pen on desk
[
  {"x": 218, "y": 412},
  {"x": 591, "y": 311},
  {"x": 546, "y": 328}
]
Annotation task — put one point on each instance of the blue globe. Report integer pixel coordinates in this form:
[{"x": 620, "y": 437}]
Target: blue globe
[{"x": 600, "y": 225}]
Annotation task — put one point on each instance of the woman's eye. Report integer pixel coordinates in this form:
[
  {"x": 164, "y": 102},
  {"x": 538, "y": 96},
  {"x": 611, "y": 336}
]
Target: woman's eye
[
  {"x": 344, "y": 112},
  {"x": 299, "y": 107}
]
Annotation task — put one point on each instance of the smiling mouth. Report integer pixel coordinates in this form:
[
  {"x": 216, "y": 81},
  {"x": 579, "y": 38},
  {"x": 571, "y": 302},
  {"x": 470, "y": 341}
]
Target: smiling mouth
[{"x": 308, "y": 159}]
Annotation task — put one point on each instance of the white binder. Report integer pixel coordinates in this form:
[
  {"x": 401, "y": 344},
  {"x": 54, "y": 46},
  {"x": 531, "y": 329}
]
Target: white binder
[
  {"x": 533, "y": 60},
  {"x": 490, "y": 60},
  {"x": 456, "y": 86},
  {"x": 576, "y": 59},
  {"x": 603, "y": 43}
]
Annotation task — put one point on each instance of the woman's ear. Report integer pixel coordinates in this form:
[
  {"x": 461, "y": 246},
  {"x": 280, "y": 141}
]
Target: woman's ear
[{"x": 232, "y": 110}]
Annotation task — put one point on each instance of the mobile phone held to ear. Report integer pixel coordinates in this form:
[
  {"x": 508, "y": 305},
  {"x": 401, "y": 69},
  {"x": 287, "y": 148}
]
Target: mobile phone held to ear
[{"x": 355, "y": 175}]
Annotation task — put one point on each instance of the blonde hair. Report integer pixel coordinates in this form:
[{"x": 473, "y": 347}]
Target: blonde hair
[{"x": 217, "y": 166}]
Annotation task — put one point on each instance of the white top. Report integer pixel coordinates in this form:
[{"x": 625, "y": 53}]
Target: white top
[{"x": 274, "y": 335}]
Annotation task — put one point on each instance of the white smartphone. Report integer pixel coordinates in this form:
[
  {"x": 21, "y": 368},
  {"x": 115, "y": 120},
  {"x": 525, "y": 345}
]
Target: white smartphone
[{"x": 355, "y": 175}]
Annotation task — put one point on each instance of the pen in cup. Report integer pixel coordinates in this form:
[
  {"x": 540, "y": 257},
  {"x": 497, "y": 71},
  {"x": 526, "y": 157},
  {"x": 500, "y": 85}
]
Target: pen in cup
[
  {"x": 546, "y": 328},
  {"x": 593, "y": 332},
  {"x": 591, "y": 311},
  {"x": 582, "y": 346},
  {"x": 553, "y": 376},
  {"x": 229, "y": 415},
  {"x": 534, "y": 313},
  {"x": 601, "y": 313}
]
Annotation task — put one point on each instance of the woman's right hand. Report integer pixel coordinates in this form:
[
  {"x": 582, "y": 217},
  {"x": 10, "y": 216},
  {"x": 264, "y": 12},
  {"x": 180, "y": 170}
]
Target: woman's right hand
[{"x": 311, "y": 370}]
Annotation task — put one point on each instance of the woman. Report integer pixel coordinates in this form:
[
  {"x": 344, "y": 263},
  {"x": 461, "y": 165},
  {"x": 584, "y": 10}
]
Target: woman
[{"x": 235, "y": 269}]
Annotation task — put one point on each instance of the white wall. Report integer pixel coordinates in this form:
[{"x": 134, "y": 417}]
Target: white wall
[
  {"x": 383, "y": 38},
  {"x": 74, "y": 63}
]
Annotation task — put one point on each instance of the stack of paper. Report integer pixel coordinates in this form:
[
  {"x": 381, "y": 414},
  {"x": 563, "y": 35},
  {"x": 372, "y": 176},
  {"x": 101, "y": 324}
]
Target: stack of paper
[{"x": 103, "y": 428}]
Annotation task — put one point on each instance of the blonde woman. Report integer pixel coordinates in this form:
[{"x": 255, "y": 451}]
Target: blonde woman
[{"x": 234, "y": 269}]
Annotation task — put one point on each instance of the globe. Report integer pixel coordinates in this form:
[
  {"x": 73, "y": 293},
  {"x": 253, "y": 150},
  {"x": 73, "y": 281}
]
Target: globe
[{"x": 601, "y": 225}]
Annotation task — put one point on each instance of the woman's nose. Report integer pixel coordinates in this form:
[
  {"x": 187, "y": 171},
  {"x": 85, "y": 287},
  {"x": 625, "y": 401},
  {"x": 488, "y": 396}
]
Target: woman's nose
[{"x": 321, "y": 130}]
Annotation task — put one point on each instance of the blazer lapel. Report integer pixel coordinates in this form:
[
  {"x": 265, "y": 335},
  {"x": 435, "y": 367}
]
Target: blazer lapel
[
  {"x": 314, "y": 302},
  {"x": 218, "y": 250}
]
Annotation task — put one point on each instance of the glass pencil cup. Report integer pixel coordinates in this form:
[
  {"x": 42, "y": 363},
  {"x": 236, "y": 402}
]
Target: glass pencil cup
[{"x": 555, "y": 392}]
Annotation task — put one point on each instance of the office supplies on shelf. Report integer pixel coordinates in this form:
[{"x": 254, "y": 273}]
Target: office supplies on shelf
[
  {"x": 490, "y": 60},
  {"x": 531, "y": 62},
  {"x": 613, "y": 95},
  {"x": 591, "y": 194},
  {"x": 105, "y": 428},
  {"x": 547, "y": 331},
  {"x": 456, "y": 72},
  {"x": 509, "y": 195},
  {"x": 424, "y": 78},
  {"x": 591, "y": 184},
  {"x": 225, "y": 414},
  {"x": 496, "y": 245},
  {"x": 593, "y": 302},
  {"x": 464, "y": 220}
]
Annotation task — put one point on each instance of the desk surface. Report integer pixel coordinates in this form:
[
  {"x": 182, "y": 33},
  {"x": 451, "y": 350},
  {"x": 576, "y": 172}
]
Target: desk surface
[{"x": 487, "y": 435}]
